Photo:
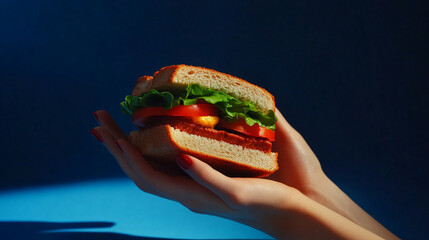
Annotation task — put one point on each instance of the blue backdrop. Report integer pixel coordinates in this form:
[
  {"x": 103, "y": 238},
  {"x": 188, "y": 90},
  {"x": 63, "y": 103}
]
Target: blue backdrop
[{"x": 352, "y": 77}]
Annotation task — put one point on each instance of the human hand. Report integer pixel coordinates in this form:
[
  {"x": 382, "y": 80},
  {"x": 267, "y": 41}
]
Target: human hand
[
  {"x": 271, "y": 206},
  {"x": 299, "y": 167}
]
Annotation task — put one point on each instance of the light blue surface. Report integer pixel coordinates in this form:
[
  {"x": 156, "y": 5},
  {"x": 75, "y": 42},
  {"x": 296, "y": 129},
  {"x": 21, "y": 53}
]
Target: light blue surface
[{"x": 116, "y": 202}]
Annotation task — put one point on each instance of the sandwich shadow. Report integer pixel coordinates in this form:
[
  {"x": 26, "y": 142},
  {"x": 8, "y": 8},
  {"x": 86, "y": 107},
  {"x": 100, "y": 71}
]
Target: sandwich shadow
[{"x": 48, "y": 231}]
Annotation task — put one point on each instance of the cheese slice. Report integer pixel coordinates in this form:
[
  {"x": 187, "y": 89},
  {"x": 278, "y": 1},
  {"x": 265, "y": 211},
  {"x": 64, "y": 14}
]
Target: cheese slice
[{"x": 205, "y": 121}]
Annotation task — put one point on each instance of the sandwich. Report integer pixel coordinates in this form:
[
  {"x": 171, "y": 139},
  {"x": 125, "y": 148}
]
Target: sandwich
[{"x": 223, "y": 120}]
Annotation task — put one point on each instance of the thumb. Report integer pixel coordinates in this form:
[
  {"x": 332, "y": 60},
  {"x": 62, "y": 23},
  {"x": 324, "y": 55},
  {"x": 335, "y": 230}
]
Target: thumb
[{"x": 208, "y": 177}]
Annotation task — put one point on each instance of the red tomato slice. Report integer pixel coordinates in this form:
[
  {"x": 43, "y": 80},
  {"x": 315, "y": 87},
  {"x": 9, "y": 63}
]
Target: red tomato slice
[
  {"x": 253, "y": 131},
  {"x": 199, "y": 109}
]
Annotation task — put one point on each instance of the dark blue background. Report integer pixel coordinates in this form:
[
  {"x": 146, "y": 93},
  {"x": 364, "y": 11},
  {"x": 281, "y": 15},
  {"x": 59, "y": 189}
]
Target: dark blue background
[{"x": 352, "y": 77}]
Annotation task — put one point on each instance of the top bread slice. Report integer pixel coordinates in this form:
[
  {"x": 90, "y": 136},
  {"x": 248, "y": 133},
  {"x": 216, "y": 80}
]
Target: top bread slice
[{"x": 179, "y": 76}]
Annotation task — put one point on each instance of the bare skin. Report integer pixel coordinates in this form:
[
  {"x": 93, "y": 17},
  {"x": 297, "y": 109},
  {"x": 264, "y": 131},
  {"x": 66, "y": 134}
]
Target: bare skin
[{"x": 298, "y": 201}]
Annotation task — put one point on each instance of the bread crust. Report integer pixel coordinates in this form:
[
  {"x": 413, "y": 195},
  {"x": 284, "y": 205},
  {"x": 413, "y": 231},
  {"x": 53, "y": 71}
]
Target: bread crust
[
  {"x": 159, "y": 147},
  {"x": 173, "y": 69},
  {"x": 143, "y": 83},
  {"x": 167, "y": 77}
]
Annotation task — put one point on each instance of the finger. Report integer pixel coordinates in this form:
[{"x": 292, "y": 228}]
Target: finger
[
  {"x": 184, "y": 190},
  {"x": 295, "y": 156},
  {"x": 109, "y": 123},
  {"x": 286, "y": 135},
  {"x": 136, "y": 161},
  {"x": 110, "y": 143},
  {"x": 281, "y": 123},
  {"x": 146, "y": 173},
  {"x": 223, "y": 186}
]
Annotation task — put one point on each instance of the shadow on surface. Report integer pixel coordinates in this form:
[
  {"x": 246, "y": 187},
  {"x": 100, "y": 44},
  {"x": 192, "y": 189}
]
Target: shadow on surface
[{"x": 42, "y": 231}]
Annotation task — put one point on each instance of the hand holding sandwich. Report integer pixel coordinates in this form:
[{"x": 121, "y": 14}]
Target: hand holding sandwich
[
  {"x": 220, "y": 130},
  {"x": 277, "y": 209}
]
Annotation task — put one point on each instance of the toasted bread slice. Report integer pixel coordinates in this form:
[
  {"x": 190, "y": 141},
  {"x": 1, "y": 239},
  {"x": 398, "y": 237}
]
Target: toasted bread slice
[
  {"x": 179, "y": 76},
  {"x": 163, "y": 143}
]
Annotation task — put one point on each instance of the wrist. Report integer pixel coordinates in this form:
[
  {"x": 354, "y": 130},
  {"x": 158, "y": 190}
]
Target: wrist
[
  {"x": 304, "y": 218},
  {"x": 320, "y": 188},
  {"x": 286, "y": 220},
  {"x": 327, "y": 193}
]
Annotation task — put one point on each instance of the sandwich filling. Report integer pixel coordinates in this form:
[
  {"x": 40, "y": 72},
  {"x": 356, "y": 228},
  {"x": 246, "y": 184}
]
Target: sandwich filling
[
  {"x": 187, "y": 125},
  {"x": 206, "y": 108}
]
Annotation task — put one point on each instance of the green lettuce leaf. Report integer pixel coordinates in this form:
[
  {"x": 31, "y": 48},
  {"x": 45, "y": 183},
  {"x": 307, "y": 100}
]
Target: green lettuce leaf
[
  {"x": 231, "y": 107},
  {"x": 151, "y": 99}
]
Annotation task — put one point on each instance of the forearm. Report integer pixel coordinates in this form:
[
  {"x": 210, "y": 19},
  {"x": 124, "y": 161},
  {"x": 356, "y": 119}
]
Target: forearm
[
  {"x": 331, "y": 196},
  {"x": 307, "y": 219}
]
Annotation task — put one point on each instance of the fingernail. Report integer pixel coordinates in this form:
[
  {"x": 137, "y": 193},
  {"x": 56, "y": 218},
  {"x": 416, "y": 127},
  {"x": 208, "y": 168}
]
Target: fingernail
[
  {"x": 95, "y": 115},
  {"x": 184, "y": 161},
  {"x": 119, "y": 146},
  {"x": 96, "y": 135}
]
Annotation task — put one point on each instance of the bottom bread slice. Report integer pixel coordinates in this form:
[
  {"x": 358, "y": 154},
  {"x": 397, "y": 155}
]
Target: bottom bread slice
[{"x": 162, "y": 144}]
